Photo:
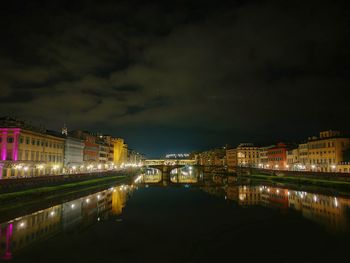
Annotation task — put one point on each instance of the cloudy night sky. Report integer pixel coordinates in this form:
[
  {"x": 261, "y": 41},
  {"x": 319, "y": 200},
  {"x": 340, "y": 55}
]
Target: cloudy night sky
[{"x": 176, "y": 76}]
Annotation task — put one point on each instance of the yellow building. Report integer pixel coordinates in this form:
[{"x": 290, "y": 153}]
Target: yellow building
[
  {"x": 28, "y": 151},
  {"x": 247, "y": 155},
  {"x": 304, "y": 155},
  {"x": 326, "y": 152},
  {"x": 120, "y": 151},
  {"x": 343, "y": 167}
]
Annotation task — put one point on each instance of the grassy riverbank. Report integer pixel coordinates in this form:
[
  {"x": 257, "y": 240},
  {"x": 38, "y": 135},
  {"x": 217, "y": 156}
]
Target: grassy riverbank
[{"x": 27, "y": 199}]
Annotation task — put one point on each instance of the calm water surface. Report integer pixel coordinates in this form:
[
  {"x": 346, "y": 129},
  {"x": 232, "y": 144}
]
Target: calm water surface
[{"x": 212, "y": 222}]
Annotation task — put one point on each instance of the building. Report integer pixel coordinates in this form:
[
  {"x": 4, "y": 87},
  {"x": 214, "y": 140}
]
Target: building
[
  {"x": 28, "y": 151},
  {"x": 103, "y": 151},
  {"x": 277, "y": 156},
  {"x": 263, "y": 160},
  {"x": 134, "y": 157},
  {"x": 119, "y": 151},
  {"x": 214, "y": 157},
  {"x": 343, "y": 167},
  {"x": 247, "y": 155},
  {"x": 293, "y": 159},
  {"x": 327, "y": 151},
  {"x": 73, "y": 154},
  {"x": 304, "y": 156},
  {"x": 91, "y": 148},
  {"x": 231, "y": 159},
  {"x": 109, "y": 141}
]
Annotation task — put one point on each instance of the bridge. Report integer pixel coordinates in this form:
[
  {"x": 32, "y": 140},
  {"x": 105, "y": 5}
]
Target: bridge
[{"x": 167, "y": 166}]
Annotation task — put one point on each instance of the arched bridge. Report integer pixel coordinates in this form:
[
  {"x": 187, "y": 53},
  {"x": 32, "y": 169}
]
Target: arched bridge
[{"x": 166, "y": 166}]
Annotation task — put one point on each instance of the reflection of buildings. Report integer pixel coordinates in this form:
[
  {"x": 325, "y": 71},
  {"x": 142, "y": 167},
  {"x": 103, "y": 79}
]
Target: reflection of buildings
[
  {"x": 274, "y": 197},
  {"x": 323, "y": 209},
  {"x": 23, "y": 231},
  {"x": 119, "y": 197},
  {"x": 248, "y": 195},
  {"x": 333, "y": 212}
]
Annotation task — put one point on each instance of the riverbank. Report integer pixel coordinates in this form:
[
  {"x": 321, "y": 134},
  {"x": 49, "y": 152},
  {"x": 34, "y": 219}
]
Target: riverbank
[
  {"x": 335, "y": 186},
  {"x": 40, "y": 197}
]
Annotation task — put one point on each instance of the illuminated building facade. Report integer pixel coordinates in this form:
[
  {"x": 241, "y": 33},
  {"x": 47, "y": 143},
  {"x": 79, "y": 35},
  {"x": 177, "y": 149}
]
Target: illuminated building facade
[
  {"x": 327, "y": 151},
  {"x": 303, "y": 151},
  {"x": 247, "y": 155},
  {"x": 214, "y": 157},
  {"x": 120, "y": 151},
  {"x": 91, "y": 148},
  {"x": 277, "y": 156},
  {"x": 292, "y": 159},
  {"x": 263, "y": 160},
  {"x": 231, "y": 159},
  {"x": 73, "y": 153},
  {"x": 28, "y": 151}
]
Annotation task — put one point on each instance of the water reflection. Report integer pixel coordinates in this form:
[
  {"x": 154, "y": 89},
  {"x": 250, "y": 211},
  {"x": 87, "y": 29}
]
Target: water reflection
[
  {"x": 21, "y": 232},
  {"x": 183, "y": 175},
  {"x": 330, "y": 211},
  {"x": 18, "y": 233}
]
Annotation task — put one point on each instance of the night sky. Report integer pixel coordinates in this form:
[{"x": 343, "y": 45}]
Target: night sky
[{"x": 176, "y": 76}]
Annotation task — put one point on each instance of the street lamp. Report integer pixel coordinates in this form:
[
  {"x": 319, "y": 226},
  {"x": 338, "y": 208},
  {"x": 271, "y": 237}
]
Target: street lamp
[{"x": 333, "y": 167}]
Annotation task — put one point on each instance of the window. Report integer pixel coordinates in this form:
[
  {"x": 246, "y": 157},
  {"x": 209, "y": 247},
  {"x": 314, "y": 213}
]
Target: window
[
  {"x": 27, "y": 140},
  {"x": 9, "y": 155},
  {"x": 38, "y": 143},
  {"x": 21, "y": 140},
  {"x": 10, "y": 139},
  {"x": 33, "y": 142}
]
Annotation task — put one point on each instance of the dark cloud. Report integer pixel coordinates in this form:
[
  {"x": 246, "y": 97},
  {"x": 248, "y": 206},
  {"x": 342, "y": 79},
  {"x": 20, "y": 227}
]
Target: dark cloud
[{"x": 196, "y": 72}]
